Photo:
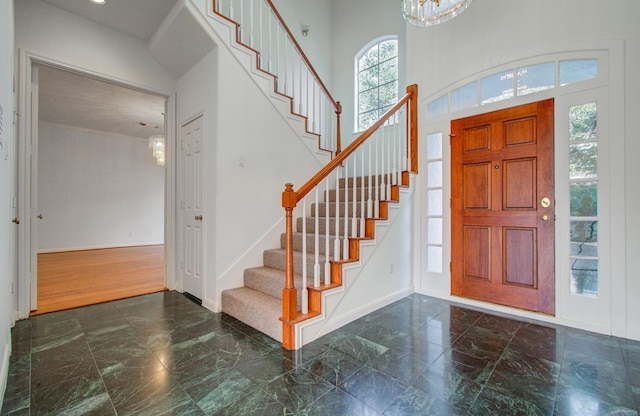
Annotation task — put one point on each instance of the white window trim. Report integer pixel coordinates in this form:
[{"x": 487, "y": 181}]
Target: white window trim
[{"x": 356, "y": 72}]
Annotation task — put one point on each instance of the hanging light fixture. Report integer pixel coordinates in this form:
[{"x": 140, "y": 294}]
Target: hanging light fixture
[
  {"x": 156, "y": 144},
  {"x": 432, "y": 12}
]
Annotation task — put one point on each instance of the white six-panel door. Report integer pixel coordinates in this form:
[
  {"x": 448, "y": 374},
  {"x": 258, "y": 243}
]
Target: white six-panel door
[{"x": 191, "y": 206}]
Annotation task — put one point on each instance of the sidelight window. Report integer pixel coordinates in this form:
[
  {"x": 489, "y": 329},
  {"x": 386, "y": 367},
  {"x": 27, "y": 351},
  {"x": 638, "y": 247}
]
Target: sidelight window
[{"x": 583, "y": 193}]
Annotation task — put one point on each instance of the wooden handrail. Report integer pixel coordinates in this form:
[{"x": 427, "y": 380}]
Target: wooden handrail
[
  {"x": 336, "y": 104},
  {"x": 302, "y": 54},
  {"x": 412, "y": 91},
  {"x": 290, "y": 199}
]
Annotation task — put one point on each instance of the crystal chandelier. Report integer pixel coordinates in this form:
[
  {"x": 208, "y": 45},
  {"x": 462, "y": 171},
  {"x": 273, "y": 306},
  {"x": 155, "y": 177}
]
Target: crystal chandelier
[
  {"x": 432, "y": 12},
  {"x": 156, "y": 144}
]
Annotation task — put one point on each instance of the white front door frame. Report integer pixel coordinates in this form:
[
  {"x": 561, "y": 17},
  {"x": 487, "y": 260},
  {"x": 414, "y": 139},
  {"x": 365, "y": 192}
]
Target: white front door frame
[{"x": 26, "y": 247}]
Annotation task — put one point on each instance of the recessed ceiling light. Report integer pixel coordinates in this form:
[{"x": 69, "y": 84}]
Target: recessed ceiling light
[{"x": 99, "y": 1}]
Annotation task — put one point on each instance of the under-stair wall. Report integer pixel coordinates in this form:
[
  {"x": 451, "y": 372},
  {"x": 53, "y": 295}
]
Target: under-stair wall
[{"x": 243, "y": 126}]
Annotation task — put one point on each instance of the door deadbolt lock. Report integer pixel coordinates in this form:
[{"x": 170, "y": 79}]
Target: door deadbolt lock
[
  {"x": 198, "y": 217},
  {"x": 545, "y": 202}
]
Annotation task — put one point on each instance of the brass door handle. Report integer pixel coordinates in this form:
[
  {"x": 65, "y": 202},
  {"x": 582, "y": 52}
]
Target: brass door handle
[
  {"x": 16, "y": 220},
  {"x": 198, "y": 217},
  {"x": 546, "y": 217}
]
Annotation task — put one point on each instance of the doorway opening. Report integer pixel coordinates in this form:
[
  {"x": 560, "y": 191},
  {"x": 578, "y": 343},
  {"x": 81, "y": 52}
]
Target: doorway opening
[{"x": 97, "y": 229}]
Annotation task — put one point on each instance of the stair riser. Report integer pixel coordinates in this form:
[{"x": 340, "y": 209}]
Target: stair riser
[
  {"x": 276, "y": 260},
  {"x": 297, "y": 243},
  {"x": 270, "y": 283},
  {"x": 360, "y": 180},
  {"x": 330, "y": 196},
  {"x": 321, "y": 208},
  {"x": 311, "y": 225},
  {"x": 259, "y": 312}
]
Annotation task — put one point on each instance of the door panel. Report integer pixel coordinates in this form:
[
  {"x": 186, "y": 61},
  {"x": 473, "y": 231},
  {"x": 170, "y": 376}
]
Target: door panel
[
  {"x": 502, "y": 236},
  {"x": 192, "y": 218}
]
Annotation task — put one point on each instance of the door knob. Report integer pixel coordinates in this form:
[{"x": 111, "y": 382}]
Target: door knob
[
  {"x": 16, "y": 220},
  {"x": 198, "y": 217},
  {"x": 546, "y": 217},
  {"x": 40, "y": 216}
]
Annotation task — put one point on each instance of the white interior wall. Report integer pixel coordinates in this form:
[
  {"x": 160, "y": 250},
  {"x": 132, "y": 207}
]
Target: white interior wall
[
  {"x": 355, "y": 24},
  {"x": 7, "y": 176},
  {"x": 317, "y": 15},
  {"x": 63, "y": 37},
  {"x": 489, "y": 34},
  {"x": 97, "y": 190},
  {"x": 249, "y": 164}
]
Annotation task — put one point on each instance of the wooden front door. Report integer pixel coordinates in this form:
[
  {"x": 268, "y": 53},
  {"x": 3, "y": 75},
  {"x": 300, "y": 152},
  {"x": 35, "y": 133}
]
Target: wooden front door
[{"x": 503, "y": 207}]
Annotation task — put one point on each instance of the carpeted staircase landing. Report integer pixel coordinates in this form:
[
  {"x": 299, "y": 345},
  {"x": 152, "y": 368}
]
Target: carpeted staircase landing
[{"x": 259, "y": 302}]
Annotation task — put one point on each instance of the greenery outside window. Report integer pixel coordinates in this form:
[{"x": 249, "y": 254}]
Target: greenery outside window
[{"x": 377, "y": 82}]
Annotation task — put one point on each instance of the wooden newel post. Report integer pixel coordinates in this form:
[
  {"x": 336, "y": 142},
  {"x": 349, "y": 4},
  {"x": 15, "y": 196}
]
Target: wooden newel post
[
  {"x": 338, "y": 113},
  {"x": 413, "y": 127},
  {"x": 289, "y": 293}
]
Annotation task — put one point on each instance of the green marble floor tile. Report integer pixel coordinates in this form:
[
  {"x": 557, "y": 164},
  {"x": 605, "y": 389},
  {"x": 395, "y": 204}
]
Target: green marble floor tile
[
  {"x": 338, "y": 402},
  {"x": 66, "y": 362},
  {"x": 414, "y": 402},
  {"x": 360, "y": 349},
  {"x": 493, "y": 401},
  {"x": 86, "y": 392},
  {"x": 257, "y": 403},
  {"x": 332, "y": 366},
  {"x": 297, "y": 389},
  {"x": 374, "y": 388},
  {"x": 152, "y": 394},
  {"x": 399, "y": 365},
  {"x": 574, "y": 402},
  {"x": 220, "y": 390}
]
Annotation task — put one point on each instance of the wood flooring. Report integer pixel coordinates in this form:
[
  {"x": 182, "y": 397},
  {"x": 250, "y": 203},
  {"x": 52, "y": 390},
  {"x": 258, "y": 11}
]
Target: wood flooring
[{"x": 78, "y": 278}]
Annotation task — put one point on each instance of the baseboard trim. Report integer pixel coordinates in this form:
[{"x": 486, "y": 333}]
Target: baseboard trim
[
  {"x": 211, "y": 305},
  {"x": 88, "y": 248},
  {"x": 4, "y": 374}
]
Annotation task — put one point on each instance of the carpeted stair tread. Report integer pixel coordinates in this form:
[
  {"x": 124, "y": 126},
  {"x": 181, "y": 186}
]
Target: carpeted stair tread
[{"x": 254, "y": 308}]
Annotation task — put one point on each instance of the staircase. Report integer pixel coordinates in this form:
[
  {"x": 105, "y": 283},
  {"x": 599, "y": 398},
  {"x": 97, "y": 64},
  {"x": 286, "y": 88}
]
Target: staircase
[
  {"x": 308, "y": 286},
  {"x": 259, "y": 302}
]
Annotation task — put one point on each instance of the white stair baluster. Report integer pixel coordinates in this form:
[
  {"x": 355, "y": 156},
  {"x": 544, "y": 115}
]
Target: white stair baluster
[
  {"x": 376, "y": 200},
  {"x": 336, "y": 242},
  {"x": 383, "y": 158},
  {"x": 305, "y": 293},
  {"x": 316, "y": 264},
  {"x": 327, "y": 265},
  {"x": 363, "y": 211},
  {"x": 345, "y": 241},
  {"x": 354, "y": 214},
  {"x": 369, "y": 180},
  {"x": 389, "y": 145}
]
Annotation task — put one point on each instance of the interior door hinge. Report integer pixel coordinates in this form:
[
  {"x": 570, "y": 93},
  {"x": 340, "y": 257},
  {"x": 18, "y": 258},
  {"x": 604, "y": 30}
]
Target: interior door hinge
[{"x": 450, "y": 266}]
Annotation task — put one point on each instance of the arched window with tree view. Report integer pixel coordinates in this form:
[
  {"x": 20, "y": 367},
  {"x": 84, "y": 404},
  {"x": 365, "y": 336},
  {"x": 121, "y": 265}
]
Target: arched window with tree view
[{"x": 377, "y": 81}]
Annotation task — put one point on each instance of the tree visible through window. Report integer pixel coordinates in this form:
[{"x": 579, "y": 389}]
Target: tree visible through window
[{"x": 377, "y": 82}]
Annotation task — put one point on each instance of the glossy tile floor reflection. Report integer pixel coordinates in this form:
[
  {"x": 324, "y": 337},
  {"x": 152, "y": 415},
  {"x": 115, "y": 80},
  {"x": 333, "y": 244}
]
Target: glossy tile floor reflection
[{"x": 163, "y": 354}]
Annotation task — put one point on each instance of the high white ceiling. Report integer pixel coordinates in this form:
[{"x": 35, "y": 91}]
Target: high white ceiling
[
  {"x": 72, "y": 99},
  {"x": 139, "y": 18},
  {"x": 76, "y": 100}
]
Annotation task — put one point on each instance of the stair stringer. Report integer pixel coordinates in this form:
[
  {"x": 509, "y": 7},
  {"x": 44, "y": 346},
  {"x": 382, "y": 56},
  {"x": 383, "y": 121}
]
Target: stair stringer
[
  {"x": 366, "y": 286},
  {"x": 223, "y": 31}
]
